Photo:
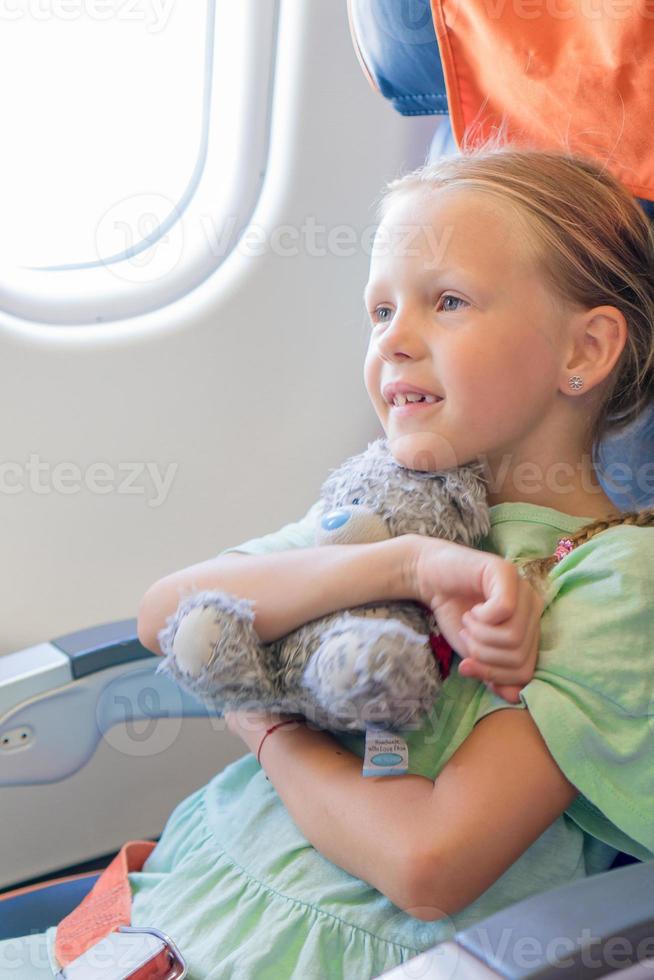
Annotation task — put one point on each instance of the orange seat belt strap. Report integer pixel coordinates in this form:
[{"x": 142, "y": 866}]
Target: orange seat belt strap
[
  {"x": 106, "y": 907},
  {"x": 566, "y": 76}
]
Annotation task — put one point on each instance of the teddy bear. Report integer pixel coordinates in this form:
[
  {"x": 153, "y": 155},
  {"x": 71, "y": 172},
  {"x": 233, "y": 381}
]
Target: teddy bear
[{"x": 371, "y": 665}]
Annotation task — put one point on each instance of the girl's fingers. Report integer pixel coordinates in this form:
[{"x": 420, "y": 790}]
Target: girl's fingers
[
  {"x": 472, "y": 667},
  {"x": 500, "y": 582},
  {"x": 510, "y": 660},
  {"x": 502, "y": 666},
  {"x": 485, "y": 654},
  {"x": 498, "y": 637},
  {"x": 510, "y": 692}
]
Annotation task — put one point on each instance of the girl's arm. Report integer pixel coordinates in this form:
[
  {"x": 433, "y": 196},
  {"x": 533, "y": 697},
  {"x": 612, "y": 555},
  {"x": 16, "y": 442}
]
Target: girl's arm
[
  {"x": 431, "y": 847},
  {"x": 290, "y": 588}
]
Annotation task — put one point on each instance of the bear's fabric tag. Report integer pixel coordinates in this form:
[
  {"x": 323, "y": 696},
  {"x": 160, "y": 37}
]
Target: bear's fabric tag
[{"x": 386, "y": 753}]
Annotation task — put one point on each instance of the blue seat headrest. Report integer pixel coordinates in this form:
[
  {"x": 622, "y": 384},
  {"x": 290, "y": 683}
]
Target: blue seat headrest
[{"x": 398, "y": 46}]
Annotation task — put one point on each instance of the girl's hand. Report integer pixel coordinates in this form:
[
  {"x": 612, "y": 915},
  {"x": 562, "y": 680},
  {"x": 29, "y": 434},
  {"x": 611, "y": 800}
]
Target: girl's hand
[{"x": 485, "y": 610}]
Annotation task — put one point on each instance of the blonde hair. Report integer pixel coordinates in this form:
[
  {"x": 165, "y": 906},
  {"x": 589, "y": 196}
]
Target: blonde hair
[
  {"x": 535, "y": 570},
  {"x": 594, "y": 245}
]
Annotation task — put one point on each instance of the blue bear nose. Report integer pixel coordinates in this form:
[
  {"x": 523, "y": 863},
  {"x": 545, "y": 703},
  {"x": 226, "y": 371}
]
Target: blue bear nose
[{"x": 335, "y": 518}]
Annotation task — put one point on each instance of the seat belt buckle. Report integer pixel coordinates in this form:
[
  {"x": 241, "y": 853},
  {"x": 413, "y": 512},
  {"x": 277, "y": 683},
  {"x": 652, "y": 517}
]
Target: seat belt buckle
[{"x": 131, "y": 953}]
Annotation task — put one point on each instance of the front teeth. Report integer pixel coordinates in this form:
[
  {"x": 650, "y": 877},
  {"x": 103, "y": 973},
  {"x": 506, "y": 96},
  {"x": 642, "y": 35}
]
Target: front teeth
[{"x": 400, "y": 400}]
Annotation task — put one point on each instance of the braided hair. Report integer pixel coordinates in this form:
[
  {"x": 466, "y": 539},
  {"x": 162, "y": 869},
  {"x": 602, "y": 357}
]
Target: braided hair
[{"x": 535, "y": 570}]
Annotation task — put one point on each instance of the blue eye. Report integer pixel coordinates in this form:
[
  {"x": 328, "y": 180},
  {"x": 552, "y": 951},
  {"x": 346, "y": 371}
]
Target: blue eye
[
  {"x": 377, "y": 314},
  {"x": 456, "y": 298}
]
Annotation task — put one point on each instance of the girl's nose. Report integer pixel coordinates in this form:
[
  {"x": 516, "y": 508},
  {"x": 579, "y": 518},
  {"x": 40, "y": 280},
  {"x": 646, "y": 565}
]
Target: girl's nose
[{"x": 401, "y": 338}]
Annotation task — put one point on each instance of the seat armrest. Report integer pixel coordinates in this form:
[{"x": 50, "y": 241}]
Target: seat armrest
[
  {"x": 31, "y": 671},
  {"x": 39, "y": 668},
  {"x": 96, "y": 748},
  {"x": 593, "y": 927},
  {"x": 102, "y": 646},
  {"x": 91, "y": 680}
]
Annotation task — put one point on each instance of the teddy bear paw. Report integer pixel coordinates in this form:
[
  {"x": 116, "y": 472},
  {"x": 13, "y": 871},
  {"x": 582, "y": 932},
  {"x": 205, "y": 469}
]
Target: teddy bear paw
[
  {"x": 372, "y": 670},
  {"x": 212, "y": 650},
  {"x": 195, "y": 640}
]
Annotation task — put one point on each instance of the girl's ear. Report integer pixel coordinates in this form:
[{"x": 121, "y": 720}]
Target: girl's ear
[{"x": 598, "y": 336}]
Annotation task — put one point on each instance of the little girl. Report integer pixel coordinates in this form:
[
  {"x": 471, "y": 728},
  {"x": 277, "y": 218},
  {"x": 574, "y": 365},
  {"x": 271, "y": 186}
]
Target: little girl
[{"x": 516, "y": 288}]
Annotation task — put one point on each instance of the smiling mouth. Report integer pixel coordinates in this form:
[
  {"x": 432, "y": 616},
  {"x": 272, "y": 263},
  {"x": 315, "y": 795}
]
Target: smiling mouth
[{"x": 423, "y": 401}]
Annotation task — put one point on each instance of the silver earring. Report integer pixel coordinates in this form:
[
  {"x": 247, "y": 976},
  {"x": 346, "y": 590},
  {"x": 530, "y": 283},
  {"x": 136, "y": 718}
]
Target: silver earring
[{"x": 576, "y": 382}]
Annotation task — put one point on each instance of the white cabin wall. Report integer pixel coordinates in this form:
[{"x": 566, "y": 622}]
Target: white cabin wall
[{"x": 251, "y": 384}]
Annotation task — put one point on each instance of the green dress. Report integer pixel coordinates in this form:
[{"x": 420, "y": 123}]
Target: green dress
[{"x": 246, "y": 896}]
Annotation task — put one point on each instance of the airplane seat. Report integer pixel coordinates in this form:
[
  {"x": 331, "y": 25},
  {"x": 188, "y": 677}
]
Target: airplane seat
[{"x": 37, "y": 907}]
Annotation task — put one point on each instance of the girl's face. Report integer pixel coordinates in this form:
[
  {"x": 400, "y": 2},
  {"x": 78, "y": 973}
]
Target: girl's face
[{"x": 458, "y": 309}]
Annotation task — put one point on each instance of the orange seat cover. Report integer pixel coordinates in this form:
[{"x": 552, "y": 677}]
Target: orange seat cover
[{"x": 575, "y": 75}]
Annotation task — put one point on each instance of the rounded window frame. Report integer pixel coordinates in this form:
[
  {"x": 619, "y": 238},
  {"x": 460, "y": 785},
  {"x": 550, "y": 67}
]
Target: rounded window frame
[{"x": 214, "y": 209}]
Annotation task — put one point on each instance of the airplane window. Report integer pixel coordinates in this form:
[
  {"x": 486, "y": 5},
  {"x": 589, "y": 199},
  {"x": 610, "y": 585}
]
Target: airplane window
[
  {"x": 103, "y": 109},
  {"x": 133, "y": 152}
]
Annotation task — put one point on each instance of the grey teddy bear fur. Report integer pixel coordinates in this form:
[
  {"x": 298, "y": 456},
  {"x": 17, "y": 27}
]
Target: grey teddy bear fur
[{"x": 369, "y": 666}]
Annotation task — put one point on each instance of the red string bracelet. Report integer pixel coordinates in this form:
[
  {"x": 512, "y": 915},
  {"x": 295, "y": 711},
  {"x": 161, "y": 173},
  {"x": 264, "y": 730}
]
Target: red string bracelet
[{"x": 268, "y": 732}]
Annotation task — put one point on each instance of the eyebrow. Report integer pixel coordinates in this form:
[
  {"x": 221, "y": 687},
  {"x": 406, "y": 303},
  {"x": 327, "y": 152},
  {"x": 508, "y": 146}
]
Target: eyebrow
[{"x": 431, "y": 278}]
